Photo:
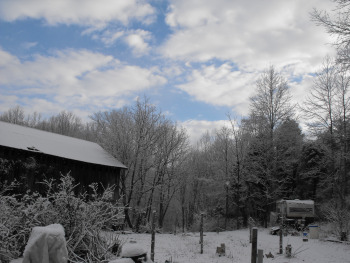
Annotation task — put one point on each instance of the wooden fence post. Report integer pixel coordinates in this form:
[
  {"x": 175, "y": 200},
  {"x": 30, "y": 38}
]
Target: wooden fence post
[
  {"x": 153, "y": 235},
  {"x": 250, "y": 233},
  {"x": 201, "y": 233},
  {"x": 281, "y": 227},
  {"x": 254, "y": 244},
  {"x": 251, "y": 223},
  {"x": 281, "y": 240}
]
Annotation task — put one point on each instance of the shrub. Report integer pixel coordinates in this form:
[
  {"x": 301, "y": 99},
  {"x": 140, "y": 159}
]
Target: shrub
[
  {"x": 84, "y": 220},
  {"x": 339, "y": 216}
]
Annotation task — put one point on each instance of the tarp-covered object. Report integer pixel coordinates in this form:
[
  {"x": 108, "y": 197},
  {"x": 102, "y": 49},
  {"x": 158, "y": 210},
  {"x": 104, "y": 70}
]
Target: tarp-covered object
[
  {"x": 46, "y": 244},
  {"x": 135, "y": 252},
  {"x": 122, "y": 260}
]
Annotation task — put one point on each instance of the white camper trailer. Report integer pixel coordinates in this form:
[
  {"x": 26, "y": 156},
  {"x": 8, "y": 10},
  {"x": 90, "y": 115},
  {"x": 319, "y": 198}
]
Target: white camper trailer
[
  {"x": 296, "y": 209},
  {"x": 294, "y": 213}
]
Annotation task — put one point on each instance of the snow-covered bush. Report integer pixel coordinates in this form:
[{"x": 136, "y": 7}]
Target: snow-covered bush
[
  {"x": 12, "y": 235},
  {"x": 210, "y": 223},
  {"x": 84, "y": 220},
  {"x": 338, "y": 216}
]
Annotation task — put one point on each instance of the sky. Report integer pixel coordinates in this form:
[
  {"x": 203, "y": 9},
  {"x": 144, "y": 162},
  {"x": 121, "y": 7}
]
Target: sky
[{"x": 196, "y": 60}]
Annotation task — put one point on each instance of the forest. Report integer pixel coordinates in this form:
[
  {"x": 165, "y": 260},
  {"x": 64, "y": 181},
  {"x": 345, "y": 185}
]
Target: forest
[{"x": 240, "y": 170}]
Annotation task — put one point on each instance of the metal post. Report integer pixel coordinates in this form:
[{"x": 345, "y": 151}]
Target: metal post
[
  {"x": 260, "y": 255},
  {"x": 254, "y": 245},
  {"x": 226, "y": 212},
  {"x": 281, "y": 240},
  {"x": 281, "y": 229},
  {"x": 153, "y": 235},
  {"x": 201, "y": 233}
]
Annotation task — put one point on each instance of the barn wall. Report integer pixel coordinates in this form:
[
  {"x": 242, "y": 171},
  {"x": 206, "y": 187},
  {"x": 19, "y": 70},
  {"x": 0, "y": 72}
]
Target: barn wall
[{"x": 52, "y": 166}]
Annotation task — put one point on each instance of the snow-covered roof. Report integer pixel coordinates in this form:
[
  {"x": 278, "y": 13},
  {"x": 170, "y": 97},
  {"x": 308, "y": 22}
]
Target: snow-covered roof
[
  {"x": 297, "y": 201},
  {"x": 29, "y": 139}
]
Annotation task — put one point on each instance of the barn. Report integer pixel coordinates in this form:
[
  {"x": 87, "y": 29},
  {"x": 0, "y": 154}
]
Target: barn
[{"x": 87, "y": 162}]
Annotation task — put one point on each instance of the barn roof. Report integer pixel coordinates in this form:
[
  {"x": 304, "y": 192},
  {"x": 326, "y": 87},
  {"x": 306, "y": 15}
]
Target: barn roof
[{"x": 29, "y": 139}]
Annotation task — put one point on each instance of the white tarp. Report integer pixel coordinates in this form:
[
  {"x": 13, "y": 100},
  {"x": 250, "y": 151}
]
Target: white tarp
[{"x": 46, "y": 244}]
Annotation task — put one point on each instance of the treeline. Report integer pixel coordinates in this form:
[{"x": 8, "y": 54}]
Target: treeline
[{"x": 64, "y": 123}]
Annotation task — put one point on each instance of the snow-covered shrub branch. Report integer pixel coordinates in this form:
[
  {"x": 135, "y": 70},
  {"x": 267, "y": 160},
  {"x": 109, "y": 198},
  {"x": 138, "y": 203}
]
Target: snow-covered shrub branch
[
  {"x": 84, "y": 220},
  {"x": 339, "y": 216}
]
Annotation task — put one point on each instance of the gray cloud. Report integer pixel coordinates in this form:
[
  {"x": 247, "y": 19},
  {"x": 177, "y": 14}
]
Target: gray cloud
[{"x": 81, "y": 12}]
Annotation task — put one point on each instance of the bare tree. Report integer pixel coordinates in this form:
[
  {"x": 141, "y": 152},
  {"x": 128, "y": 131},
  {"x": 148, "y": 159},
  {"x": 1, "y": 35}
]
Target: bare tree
[
  {"x": 173, "y": 151},
  {"x": 327, "y": 109},
  {"x": 205, "y": 182},
  {"x": 342, "y": 111},
  {"x": 272, "y": 101},
  {"x": 152, "y": 147},
  {"x": 115, "y": 132},
  {"x": 33, "y": 120},
  {"x": 65, "y": 123},
  {"x": 339, "y": 216},
  {"x": 320, "y": 111},
  {"x": 319, "y": 106},
  {"x": 14, "y": 115},
  {"x": 337, "y": 23}
]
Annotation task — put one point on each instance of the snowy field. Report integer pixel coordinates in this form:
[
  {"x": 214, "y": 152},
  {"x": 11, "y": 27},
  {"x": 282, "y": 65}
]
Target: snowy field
[{"x": 186, "y": 248}]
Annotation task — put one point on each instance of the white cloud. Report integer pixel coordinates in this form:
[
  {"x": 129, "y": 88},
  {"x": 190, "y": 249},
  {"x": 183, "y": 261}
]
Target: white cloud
[
  {"x": 75, "y": 78},
  {"x": 29, "y": 45},
  {"x": 137, "y": 41},
  {"x": 221, "y": 86},
  {"x": 81, "y": 12},
  {"x": 62, "y": 69},
  {"x": 7, "y": 101},
  {"x": 172, "y": 70},
  {"x": 301, "y": 89},
  {"x": 109, "y": 37},
  {"x": 250, "y": 33},
  {"x": 42, "y": 106}
]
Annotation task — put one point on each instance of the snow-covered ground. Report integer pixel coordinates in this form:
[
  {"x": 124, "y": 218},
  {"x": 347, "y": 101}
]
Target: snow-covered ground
[{"x": 182, "y": 248}]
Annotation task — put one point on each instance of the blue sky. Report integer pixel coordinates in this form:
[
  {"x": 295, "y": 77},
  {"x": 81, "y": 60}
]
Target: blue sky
[{"x": 197, "y": 60}]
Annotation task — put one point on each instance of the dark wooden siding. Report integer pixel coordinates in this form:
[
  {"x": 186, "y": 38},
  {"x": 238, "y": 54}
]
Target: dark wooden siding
[{"x": 83, "y": 173}]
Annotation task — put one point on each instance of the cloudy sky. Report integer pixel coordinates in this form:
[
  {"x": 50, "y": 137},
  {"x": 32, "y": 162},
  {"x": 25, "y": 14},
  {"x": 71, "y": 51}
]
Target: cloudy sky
[{"x": 197, "y": 60}]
